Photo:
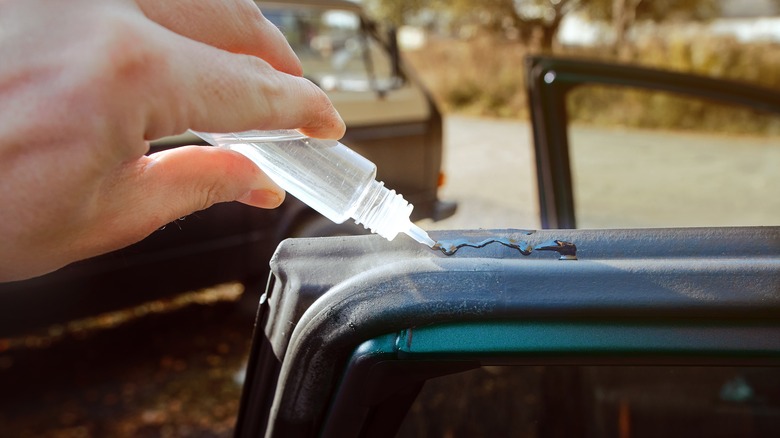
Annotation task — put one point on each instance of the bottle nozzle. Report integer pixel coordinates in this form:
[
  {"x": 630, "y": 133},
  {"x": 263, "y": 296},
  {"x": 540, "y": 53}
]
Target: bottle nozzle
[{"x": 419, "y": 235}]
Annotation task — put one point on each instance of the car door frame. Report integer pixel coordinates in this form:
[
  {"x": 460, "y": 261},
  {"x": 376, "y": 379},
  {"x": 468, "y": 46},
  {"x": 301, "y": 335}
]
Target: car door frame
[{"x": 549, "y": 80}]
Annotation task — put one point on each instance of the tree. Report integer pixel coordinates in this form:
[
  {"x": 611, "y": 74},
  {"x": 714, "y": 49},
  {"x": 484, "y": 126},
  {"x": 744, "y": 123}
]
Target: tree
[
  {"x": 502, "y": 17},
  {"x": 544, "y": 17},
  {"x": 396, "y": 12},
  {"x": 624, "y": 13},
  {"x": 623, "y": 17}
]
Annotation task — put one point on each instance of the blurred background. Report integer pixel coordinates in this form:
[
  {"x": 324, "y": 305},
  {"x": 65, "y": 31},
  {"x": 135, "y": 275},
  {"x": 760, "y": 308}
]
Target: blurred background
[
  {"x": 639, "y": 158},
  {"x": 173, "y": 367}
]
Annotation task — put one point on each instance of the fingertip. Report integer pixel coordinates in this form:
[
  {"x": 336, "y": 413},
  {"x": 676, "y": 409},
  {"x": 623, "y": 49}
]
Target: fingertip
[
  {"x": 197, "y": 177},
  {"x": 263, "y": 198},
  {"x": 329, "y": 125},
  {"x": 242, "y": 92},
  {"x": 333, "y": 132},
  {"x": 284, "y": 58}
]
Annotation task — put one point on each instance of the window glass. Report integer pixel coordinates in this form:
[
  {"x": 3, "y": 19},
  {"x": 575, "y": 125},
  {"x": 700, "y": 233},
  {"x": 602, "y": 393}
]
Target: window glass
[
  {"x": 599, "y": 401},
  {"x": 655, "y": 159},
  {"x": 335, "y": 52}
]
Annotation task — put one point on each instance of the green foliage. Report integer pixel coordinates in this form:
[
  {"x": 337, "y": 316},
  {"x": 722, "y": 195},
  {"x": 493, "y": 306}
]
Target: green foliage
[
  {"x": 396, "y": 12},
  {"x": 485, "y": 77},
  {"x": 521, "y": 17},
  {"x": 474, "y": 77},
  {"x": 656, "y": 10},
  {"x": 720, "y": 57},
  {"x": 481, "y": 76}
]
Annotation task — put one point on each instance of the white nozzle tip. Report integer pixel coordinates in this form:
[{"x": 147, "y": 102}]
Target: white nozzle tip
[{"x": 420, "y": 235}]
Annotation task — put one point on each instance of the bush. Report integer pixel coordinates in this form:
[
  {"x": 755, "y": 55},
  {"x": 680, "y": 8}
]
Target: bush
[{"x": 484, "y": 76}]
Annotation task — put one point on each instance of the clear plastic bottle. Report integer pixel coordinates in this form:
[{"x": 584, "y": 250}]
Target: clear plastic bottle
[{"x": 327, "y": 176}]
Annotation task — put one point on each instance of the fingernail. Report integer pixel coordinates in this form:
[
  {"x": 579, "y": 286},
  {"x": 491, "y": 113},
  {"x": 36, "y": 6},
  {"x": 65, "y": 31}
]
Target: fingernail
[{"x": 263, "y": 198}]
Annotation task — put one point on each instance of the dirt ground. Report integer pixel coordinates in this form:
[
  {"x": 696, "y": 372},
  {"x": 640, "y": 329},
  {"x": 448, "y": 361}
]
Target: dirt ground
[{"x": 165, "y": 374}]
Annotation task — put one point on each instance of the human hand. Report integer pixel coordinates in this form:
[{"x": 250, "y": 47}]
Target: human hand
[{"x": 84, "y": 85}]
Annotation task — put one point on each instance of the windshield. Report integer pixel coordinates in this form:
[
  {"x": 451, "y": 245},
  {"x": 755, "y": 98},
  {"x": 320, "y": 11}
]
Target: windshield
[{"x": 334, "y": 50}]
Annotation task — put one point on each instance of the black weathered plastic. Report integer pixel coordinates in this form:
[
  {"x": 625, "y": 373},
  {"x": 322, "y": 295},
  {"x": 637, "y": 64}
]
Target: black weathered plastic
[
  {"x": 330, "y": 295},
  {"x": 549, "y": 79}
]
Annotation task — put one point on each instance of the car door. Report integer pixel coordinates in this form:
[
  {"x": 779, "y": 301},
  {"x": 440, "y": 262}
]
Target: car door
[{"x": 614, "y": 332}]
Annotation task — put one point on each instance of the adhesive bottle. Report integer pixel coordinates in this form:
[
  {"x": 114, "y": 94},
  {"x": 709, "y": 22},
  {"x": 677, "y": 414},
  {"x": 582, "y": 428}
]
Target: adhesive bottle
[{"x": 327, "y": 176}]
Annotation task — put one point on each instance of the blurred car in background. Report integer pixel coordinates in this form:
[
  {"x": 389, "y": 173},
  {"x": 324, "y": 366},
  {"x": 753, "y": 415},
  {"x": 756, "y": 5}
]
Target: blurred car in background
[{"x": 391, "y": 120}]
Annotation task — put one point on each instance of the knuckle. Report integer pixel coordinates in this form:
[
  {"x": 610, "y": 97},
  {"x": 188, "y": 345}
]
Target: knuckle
[
  {"x": 124, "y": 56},
  {"x": 212, "y": 192},
  {"x": 118, "y": 67},
  {"x": 210, "y": 196}
]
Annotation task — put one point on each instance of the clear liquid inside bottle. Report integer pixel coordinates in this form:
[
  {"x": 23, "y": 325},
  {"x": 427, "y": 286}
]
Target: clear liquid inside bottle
[
  {"x": 327, "y": 176},
  {"x": 324, "y": 174}
]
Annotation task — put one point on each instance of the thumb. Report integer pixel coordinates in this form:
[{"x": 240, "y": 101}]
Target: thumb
[
  {"x": 180, "y": 181},
  {"x": 154, "y": 190},
  {"x": 208, "y": 175}
]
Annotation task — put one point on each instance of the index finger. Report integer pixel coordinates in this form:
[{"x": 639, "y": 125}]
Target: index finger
[
  {"x": 208, "y": 89},
  {"x": 236, "y": 26}
]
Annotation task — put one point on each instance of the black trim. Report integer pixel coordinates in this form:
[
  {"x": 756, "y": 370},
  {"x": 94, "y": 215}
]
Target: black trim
[
  {"x": 332, "y": 294},
  {"x": 548, "y": 80}
]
